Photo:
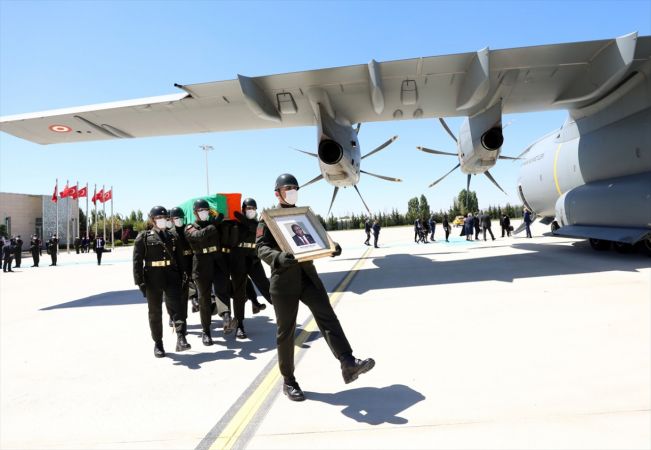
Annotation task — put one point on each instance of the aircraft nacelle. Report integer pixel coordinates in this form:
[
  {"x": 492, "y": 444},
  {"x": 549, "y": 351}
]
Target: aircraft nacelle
[
  {"x": 339, "y": 152},
  {"x": 480, "y": 140}
]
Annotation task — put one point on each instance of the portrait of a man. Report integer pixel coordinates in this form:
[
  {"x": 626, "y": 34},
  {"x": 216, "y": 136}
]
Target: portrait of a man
[{"x": 300, "y": 238}]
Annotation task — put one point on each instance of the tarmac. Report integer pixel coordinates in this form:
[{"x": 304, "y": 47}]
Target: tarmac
[{"x": 513, "y": 343}]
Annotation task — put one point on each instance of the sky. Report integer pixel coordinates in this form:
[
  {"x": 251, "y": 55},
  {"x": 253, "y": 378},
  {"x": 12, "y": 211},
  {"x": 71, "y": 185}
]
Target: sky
[{"x": 56, "y": 54}]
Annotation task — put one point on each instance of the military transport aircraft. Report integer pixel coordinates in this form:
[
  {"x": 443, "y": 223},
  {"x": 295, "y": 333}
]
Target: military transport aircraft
[{"x": 593, "y": 176}]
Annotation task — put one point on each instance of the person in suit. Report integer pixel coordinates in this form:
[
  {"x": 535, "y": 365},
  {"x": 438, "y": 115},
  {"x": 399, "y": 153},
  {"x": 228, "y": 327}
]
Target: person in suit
[
  {"x": 19, "y": 251},
  {"x": 376, "y": 232},
  {"x": 446, "y": 227},
  {"x": 53, "y": 249},
  {"x": 527, "y": 222},
  {"x": 300, "y": 238},
  {"x": 8, "y": 255},
  {"x": 293, "y": 282},
  {"x": 432, "y": 227},
  {"x": 486, "y": 225},
  {"x": 77, "y": 244},
  {"x": 476, "y": 225},
  {"x": 367, "y": 230},
  {"x": 505, "y": 223},
  {"x": 100, "y": 243},
  {"x": 35, "y": 248}
]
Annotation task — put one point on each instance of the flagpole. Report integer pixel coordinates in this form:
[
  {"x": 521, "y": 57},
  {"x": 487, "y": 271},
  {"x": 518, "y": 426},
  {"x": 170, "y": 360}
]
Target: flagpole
[
  {"x": 112, "y": 228},
  {"x": 57, "y": 203},
  {"x": 77, "y": 190},
  {"x": 104, "y": 210},
  {"x": 68, "y": 222},
  {"x": 95, "y": 208},
  {"x": 87, "y": 221}
]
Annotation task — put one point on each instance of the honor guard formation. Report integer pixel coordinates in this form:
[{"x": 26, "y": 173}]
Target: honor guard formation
[{"x": 219, "y": 259}]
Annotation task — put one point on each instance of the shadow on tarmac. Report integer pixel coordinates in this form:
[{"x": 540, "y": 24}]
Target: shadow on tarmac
[
  {"x": 541, "y": 260},
  {"x": 129, "y": 297},
  {"x": 371, "y": 405}
]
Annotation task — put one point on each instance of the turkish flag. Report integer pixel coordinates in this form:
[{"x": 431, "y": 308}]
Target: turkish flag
[
  {"x": 54, "y": 196},
  {"x": 83, "y": 192},
  {"x": 72, "y": 192},
  {"x": 65, "y": 191},
  {"x": 98, "y": 196},
  {"x": 108, "y": 195}
]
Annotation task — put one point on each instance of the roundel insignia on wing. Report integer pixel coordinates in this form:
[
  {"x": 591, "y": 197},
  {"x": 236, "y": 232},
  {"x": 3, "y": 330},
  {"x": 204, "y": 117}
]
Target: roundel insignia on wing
[{"x": 60, "y": 128}]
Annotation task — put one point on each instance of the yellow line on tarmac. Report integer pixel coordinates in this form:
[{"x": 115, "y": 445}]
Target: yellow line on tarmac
[{"x": 240, "y": 421}]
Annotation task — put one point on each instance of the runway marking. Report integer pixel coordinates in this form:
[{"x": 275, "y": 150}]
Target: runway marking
[
  {"x": 236, "y": 431},
  {"x": 558, "y": 188}
]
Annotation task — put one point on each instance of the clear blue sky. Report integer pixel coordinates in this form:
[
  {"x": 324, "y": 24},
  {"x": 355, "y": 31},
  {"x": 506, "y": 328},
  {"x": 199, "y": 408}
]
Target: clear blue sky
[{"x": 57, "y": 54}]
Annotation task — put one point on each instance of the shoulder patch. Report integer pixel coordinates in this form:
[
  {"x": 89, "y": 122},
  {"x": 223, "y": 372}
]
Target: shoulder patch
[{"x": 259, "y": 232}]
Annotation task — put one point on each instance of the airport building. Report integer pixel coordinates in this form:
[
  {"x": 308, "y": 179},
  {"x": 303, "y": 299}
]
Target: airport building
[{"x": 26, "y": 214}]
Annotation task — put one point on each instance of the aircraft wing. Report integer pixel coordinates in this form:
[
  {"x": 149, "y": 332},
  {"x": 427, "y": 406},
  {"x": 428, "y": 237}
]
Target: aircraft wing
[{"x": 559, "y": 76}]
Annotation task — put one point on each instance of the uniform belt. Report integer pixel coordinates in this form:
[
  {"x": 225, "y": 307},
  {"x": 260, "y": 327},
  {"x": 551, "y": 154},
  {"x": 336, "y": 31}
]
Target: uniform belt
[
  {"x": 209, "y": 249},
  {"x": 163, "y": 263},
  {"x": 225, "y": 250},
  {"x": 187, "y": 252},
  {"x": 247, "y": 244}
]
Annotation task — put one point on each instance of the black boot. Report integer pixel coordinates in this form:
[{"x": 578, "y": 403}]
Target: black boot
[
  {"x": 159, "y": 351},
  {"x": 206, "y": 339},
  {"x": 257, "y": 306},
  {"x": 181, "y": 341},
  {"x": 293, "y": 391},
  {"x": 352, "y": 368},
  {"x": 229, "y": 324}
]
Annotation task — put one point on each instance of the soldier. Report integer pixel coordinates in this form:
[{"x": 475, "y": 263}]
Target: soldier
[
  {"x": 8, "y": 255},
  {"x": 292, "y": 281},
  {"x": 157, "y": 271},
  {"x": 245, "y": 263},
  {"x": 53, "y": 248},
  {"x": 100, "y": 243},
  {"x": 19, "y": 251},
  {"x": 177, "y": 217},
  {"x": 210, "y": 267},
  {"x": 77, "y": 244},
  {"x": 35, "y": 248}
]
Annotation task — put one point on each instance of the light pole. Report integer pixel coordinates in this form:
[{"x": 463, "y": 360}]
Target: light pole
[{"x": 206, "y": 148}]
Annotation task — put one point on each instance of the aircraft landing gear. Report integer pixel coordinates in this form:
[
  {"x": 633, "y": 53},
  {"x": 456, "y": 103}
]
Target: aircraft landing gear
[
  {"x": 555, "y": 226},
  {"x": 645, "y": 246},
  {"x": 621, "y": 247},
  {"x": 599, "y": 244}
]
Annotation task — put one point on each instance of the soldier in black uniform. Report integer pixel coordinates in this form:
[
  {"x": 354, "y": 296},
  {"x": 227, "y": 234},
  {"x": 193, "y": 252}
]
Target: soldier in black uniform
[
  {"x": 210, "y": 267},
  {"x": 77, "y": 244},
  {"x": 35, "y": 248},
  {"x": 245, "y": 263},
  {"x": 19, "y": 251},
  {"x": 157, "y": 268},
  {"x": 53, "y": 249},
  {"x": 292, "y": 281},
  {"x": 177, "y": 217}
]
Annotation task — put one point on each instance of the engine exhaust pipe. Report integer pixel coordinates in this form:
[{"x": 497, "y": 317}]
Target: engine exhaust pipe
[
  {"x": 330, "y": 152},
  {"x": 492, "y": 139}
]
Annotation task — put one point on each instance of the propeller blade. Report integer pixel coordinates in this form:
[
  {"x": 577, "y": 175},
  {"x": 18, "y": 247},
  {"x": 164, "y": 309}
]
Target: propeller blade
[
  {"x": 434, "y": 152},
  {"x": 359, "y": 125},
  {"x": 526, "y": 150},
  {"x": 303, "y": 151},
  {"x": 455, "y": 168},
  {"x": 313, "y": 180},
  {"x": 445, "y": 125},
  {"x": 360, "y": 196},
  {"x": 509, "y": 157},
  {"x": 334, "y": 195},
  {"x": 467, "y": 190},
  {"x": 490, "y": 177},
  {"x": 383, "y": 146},
  {"x": 380, "y": 176}
]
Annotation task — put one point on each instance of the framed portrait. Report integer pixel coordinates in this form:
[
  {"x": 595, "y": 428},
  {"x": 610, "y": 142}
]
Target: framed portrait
[{"x": 299, "y": 232}]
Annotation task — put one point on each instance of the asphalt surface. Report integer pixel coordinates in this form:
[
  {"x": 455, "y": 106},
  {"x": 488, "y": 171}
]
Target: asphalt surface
[{"x": 513, "y": 343}]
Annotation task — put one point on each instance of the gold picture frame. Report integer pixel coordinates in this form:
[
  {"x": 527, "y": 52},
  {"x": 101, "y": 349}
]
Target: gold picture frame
[{"x": 299, "y": 232}]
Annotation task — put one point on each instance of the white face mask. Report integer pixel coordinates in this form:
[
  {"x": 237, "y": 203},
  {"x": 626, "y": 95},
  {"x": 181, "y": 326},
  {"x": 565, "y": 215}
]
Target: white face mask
[
  {"x": 178, "y": 222},
  {"x": 251, "y": 213},
  {"x": 161, "y": 224},
  {"x": 291, "y": 196},
  {"x": 169, "y": 224},
  {"x": 203, "y": 215}
]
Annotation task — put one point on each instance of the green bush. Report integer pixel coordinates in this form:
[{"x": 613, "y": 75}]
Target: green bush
[{"x": 118, "y": 243}]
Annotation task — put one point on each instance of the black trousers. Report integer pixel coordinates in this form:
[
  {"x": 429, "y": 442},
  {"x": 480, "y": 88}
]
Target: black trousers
[
  {"x": 53, "y": 256},
  {"x": 375, "y": 237},
  {"x": 211, "y": 270},
  {"x": 6, "y": 264},
  {"x": 490, "y": 231},
  {"x": 36, "y": 256},
  {"x": 368, "y": 237},
  {"x": 286, "y": 307},
  {"x": 19, "y": 258},
  {"x": 163, "y": 281},
  {"x": 447, "y": 232},
  {"x": 99, "y": 252},
  {"x": 245, "y": 264}
]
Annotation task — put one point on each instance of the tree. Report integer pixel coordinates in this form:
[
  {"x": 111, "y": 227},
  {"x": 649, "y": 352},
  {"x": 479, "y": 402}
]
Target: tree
[
  {"x": 471, "y": 205},
  {"x": 413, "y": 210},
  {"x": 424, "y": 208}
]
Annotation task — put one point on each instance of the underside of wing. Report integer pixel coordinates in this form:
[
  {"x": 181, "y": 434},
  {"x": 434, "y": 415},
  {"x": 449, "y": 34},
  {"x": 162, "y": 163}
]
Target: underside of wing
[{"x": 558, "y": 76}]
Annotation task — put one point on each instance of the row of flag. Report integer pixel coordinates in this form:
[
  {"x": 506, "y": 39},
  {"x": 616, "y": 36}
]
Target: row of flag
[{"x": 76, "y": 192}]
